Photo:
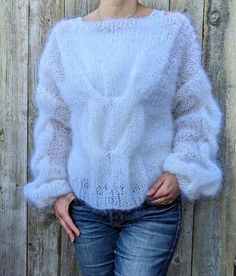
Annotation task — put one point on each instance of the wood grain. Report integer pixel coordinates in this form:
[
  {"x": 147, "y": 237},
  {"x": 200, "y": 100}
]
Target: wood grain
[{"x": 32, "y": 242}]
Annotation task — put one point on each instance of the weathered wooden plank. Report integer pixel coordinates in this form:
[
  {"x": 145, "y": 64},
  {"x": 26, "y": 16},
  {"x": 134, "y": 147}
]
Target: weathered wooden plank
[
  {"x": 44, "y": 232},
  {"x": 183, "y": 255},
  {"x": 227, "y": 92},
  {"x": 208, "y": 257},
  {"x": 75, "y": 8},
  {"x": 13, "y": 134},
  {"x": 207, "y": 241}
]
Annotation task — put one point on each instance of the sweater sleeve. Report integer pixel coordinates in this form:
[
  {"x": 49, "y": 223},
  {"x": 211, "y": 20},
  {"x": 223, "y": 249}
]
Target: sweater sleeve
[
  {"x": 51, "y": 131},
  {"x": 197, "y": 120}
]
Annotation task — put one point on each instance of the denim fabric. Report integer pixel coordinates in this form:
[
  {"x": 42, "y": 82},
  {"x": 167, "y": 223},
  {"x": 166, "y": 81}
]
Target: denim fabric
[{"x": 136, "y": 242}]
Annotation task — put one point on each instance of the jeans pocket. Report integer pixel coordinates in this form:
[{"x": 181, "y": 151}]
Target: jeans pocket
[
  {"x": 76, "y": 202},
  {"x": 72, "y": 201}
]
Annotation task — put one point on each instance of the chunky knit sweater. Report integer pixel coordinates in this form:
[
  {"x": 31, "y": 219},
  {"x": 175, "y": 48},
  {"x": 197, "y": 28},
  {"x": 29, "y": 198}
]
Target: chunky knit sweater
[{"x": 119, "y": 102}]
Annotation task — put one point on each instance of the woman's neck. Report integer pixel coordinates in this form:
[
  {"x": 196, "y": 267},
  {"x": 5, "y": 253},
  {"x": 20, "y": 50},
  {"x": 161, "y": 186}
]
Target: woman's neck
[{"x": 117, "y": 9}]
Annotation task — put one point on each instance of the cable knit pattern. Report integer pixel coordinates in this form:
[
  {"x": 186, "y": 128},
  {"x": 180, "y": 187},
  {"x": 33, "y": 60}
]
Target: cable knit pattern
[{"x": 118, "y": 102}]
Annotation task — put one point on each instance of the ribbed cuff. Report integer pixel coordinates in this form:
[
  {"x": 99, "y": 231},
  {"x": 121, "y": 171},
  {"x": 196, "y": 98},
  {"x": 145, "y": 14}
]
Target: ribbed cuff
[{"x": 43, "y": 195}]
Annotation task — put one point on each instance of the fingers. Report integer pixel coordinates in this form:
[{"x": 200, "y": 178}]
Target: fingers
[
  {"x": 156, "y": 186},
  {"x": 165, "y": 187},
  {"x": 71, "y": 225},
  {"x": 64, "y": 218},
  {"x": 162, "y": 200},
  {"x": 163, "y": 191},
  {"x": 67, "y": 223},
  {"x": 68, "y": 230},
  {"x": 164, "y": 194}
]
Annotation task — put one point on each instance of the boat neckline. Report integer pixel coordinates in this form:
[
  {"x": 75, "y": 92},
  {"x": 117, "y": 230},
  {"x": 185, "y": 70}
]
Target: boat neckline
[{"x": 120, "y": 20}]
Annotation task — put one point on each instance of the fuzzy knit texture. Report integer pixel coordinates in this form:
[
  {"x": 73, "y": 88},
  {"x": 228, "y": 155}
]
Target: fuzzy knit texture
[{"x": 119, "y": 102}]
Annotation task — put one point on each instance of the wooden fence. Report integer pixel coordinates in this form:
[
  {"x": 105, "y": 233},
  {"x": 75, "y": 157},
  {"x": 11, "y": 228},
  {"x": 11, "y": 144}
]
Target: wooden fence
[{"x": 35, "y": 244}]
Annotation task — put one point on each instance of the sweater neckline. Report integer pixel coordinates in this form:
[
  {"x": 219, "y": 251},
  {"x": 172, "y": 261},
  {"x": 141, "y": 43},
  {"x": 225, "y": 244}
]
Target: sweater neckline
[
  {"x": 166, "y": 35},
  {"x": 120, "y": 21}
]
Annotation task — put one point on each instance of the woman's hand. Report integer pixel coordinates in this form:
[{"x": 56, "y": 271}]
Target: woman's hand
[
  {"x": 165, "y": 189},
  {"x": 61, "y": 207}
]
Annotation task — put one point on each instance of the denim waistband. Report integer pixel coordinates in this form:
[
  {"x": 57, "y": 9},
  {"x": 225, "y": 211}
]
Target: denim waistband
[
  {"x": 105, "y": 211},
  {"x": 81, "y": 202}
]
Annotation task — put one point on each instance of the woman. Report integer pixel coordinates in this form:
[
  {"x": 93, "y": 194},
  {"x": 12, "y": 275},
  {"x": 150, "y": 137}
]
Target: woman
[{"x": 127, "y": 126}]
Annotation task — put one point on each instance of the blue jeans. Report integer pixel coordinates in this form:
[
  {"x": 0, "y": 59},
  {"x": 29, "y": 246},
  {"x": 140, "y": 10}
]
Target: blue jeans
[{"x": 140, "y": 241}]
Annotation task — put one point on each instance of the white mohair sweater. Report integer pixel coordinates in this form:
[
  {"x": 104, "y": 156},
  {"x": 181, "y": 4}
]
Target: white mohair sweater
[{"x": 119, "y": 102}]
